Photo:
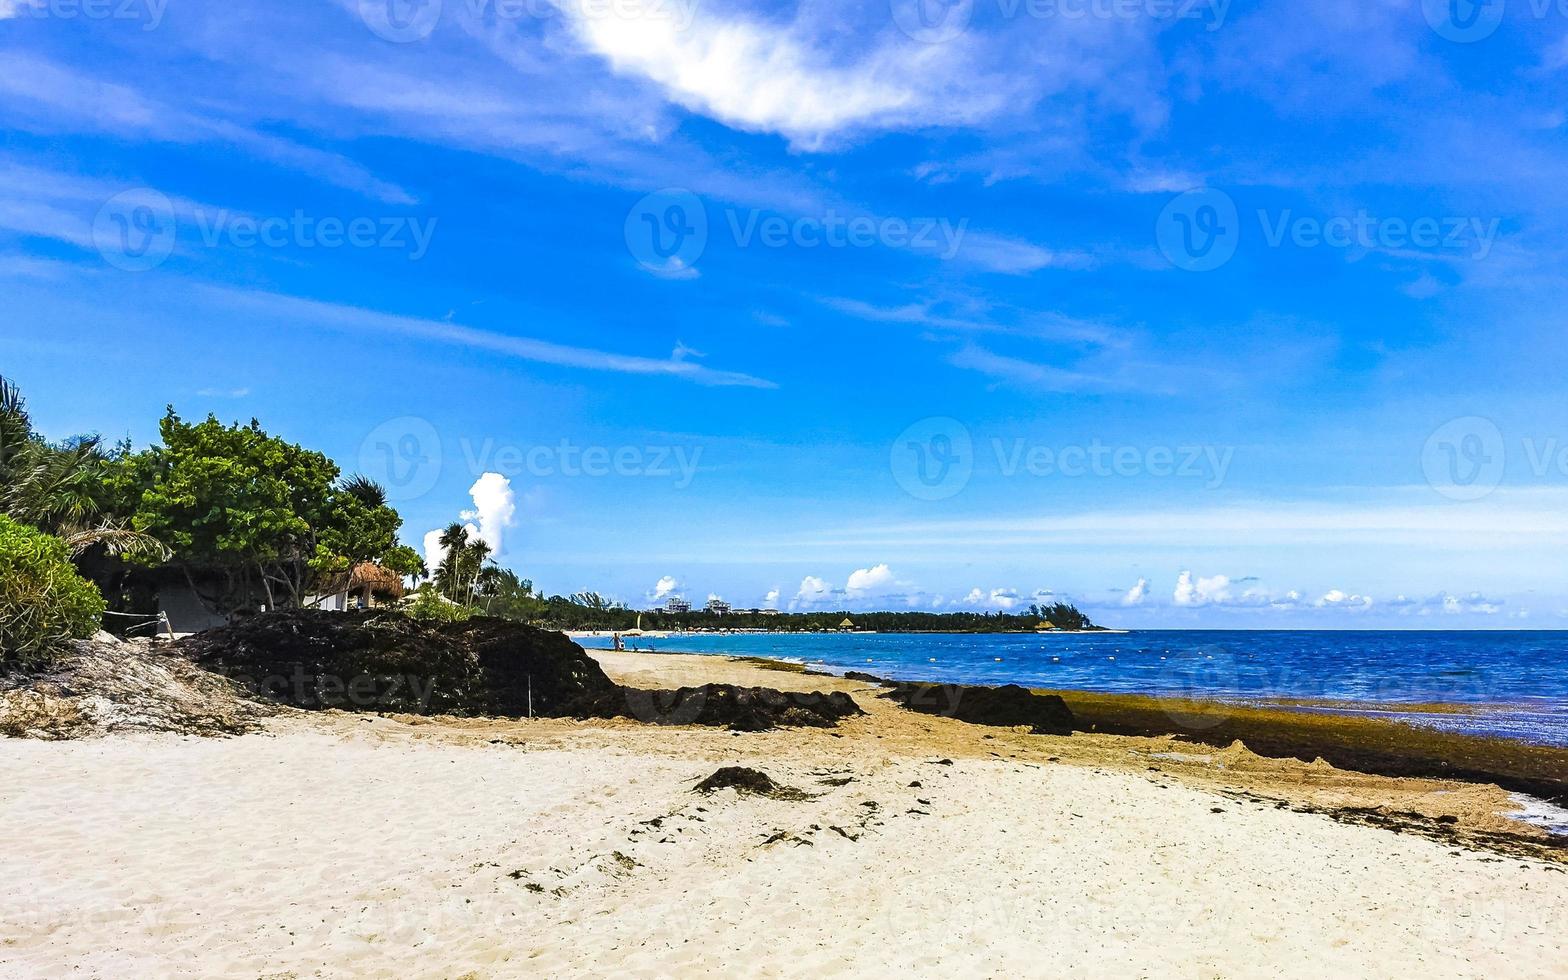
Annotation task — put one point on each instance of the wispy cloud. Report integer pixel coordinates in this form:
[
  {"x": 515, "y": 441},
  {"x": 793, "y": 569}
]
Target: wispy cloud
[
  {"x": 452, "y": 334},
  {"x": 46, "y": 97}
]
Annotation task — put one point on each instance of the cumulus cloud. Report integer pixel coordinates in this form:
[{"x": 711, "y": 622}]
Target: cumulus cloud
[
  {"x": 664, "y": 588},
  {"x": 1201, "y": 591},
  {"x": 1004, "y": 599},
  {"x": 771, "y": 600},
  {"x": 1137, "y": 593},
  {"x": 495, "y": 508},
  {"x": 435, "y": 554},
  {"x": 1339, "y": 599},
  {"x": 813, "y": 591},
  {"x": 874, "y": 580}
]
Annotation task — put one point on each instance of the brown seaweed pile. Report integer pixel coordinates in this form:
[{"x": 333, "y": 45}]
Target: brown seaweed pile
[{"x": 1009, "y": 706}]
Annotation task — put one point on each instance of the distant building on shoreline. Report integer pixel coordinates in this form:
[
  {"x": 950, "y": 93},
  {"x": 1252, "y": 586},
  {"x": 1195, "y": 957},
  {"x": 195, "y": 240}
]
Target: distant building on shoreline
[
  {"x": 675, "y": 604},
  {"x": 718, "y": 607}
]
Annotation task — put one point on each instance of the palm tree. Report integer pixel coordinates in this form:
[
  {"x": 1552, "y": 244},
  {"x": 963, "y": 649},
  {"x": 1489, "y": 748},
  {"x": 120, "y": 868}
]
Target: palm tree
[{"x": 57, "y": 488}]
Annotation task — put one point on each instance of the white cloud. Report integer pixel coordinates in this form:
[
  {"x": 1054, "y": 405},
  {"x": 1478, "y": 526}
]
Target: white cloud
[
  {"x": 876, "y": 579},
  {"x": 771, "y": 600},
  {"x": 813, "y": 591},
  {"x": 780, "y": 78},
  {"x": 523, "y": 348},
  {"x": 1338, "y": 599},
  {"x": 1137, "y": 593},
  {"x": 495, "y": 508},
  {"x": 435, "y": 554},
  {"x": 665, "y": 588},
  {"x": 1201, "y": 591},
  {"x": 1004, "y": 598}
]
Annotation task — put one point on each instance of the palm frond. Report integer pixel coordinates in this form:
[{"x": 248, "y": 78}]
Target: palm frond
[{"x": 118, "y": 540}]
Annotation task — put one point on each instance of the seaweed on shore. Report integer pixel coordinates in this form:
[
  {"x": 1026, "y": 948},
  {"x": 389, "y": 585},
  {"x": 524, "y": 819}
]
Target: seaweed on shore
[
  {"x": 1377, "y": 746},
  {"x": 1008, "y": 707}
]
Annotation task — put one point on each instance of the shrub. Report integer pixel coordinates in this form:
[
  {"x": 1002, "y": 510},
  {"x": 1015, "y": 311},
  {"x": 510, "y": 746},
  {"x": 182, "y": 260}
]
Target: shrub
[
  {"x": 44, "y": 604},
  {"x": 430, "y": 606}
]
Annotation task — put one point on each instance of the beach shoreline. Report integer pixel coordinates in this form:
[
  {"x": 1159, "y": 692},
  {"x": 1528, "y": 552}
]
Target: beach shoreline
[{"x": 404, "y": 845}]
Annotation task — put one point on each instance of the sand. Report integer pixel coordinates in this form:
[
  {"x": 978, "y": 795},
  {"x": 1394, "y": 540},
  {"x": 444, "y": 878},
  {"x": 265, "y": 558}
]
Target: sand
[{"x": 343, "y": 845}]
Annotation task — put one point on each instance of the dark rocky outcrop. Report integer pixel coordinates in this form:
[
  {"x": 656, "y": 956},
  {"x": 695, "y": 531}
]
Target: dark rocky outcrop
[
  {"x": 1045, "y": 714},
  {"x": 378, "y": 661},
  {"x": 384, "y": 661}
]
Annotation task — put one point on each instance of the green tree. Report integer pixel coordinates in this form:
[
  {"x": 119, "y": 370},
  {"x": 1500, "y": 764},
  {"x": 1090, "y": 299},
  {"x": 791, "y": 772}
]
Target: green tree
[{"x": 267, "y": 517}]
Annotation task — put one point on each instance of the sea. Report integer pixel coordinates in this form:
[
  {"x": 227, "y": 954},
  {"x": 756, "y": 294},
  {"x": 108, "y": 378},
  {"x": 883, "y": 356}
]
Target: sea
[{"x": 1515, "y": 684}]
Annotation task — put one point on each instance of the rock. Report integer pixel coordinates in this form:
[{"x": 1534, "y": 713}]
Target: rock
[
  {"x": 747, "y": 782},
  {"x": 385, "y": 661},
  {"x": 1006, "y": 707}
]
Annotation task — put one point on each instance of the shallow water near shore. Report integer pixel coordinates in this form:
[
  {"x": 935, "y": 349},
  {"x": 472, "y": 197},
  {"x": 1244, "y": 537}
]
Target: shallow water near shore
[{"x": 1504, "y": 684}]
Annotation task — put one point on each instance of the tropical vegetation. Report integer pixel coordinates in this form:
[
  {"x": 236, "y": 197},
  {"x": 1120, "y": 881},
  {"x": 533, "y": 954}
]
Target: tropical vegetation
[{"x": 44, "y": 603}]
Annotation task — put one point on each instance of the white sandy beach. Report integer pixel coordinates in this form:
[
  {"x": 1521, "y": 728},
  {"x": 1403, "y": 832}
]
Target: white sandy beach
[{"x": 341, "y": 845}]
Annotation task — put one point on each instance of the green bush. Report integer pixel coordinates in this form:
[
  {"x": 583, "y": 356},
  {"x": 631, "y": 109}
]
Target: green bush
[
  {"x": 44, "y": 604},
  {"x": 429, "y": 606}
]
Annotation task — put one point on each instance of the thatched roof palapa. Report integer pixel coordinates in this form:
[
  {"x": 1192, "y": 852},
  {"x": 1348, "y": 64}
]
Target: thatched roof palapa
[{"x": 365, "y": 575}]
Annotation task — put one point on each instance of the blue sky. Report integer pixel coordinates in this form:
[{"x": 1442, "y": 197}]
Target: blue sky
[{"x": 1197, "y": 314}]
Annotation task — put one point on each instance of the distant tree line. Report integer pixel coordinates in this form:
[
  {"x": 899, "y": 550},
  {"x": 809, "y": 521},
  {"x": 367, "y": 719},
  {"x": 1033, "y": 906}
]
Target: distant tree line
[{"x": 589, "y": 611}]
